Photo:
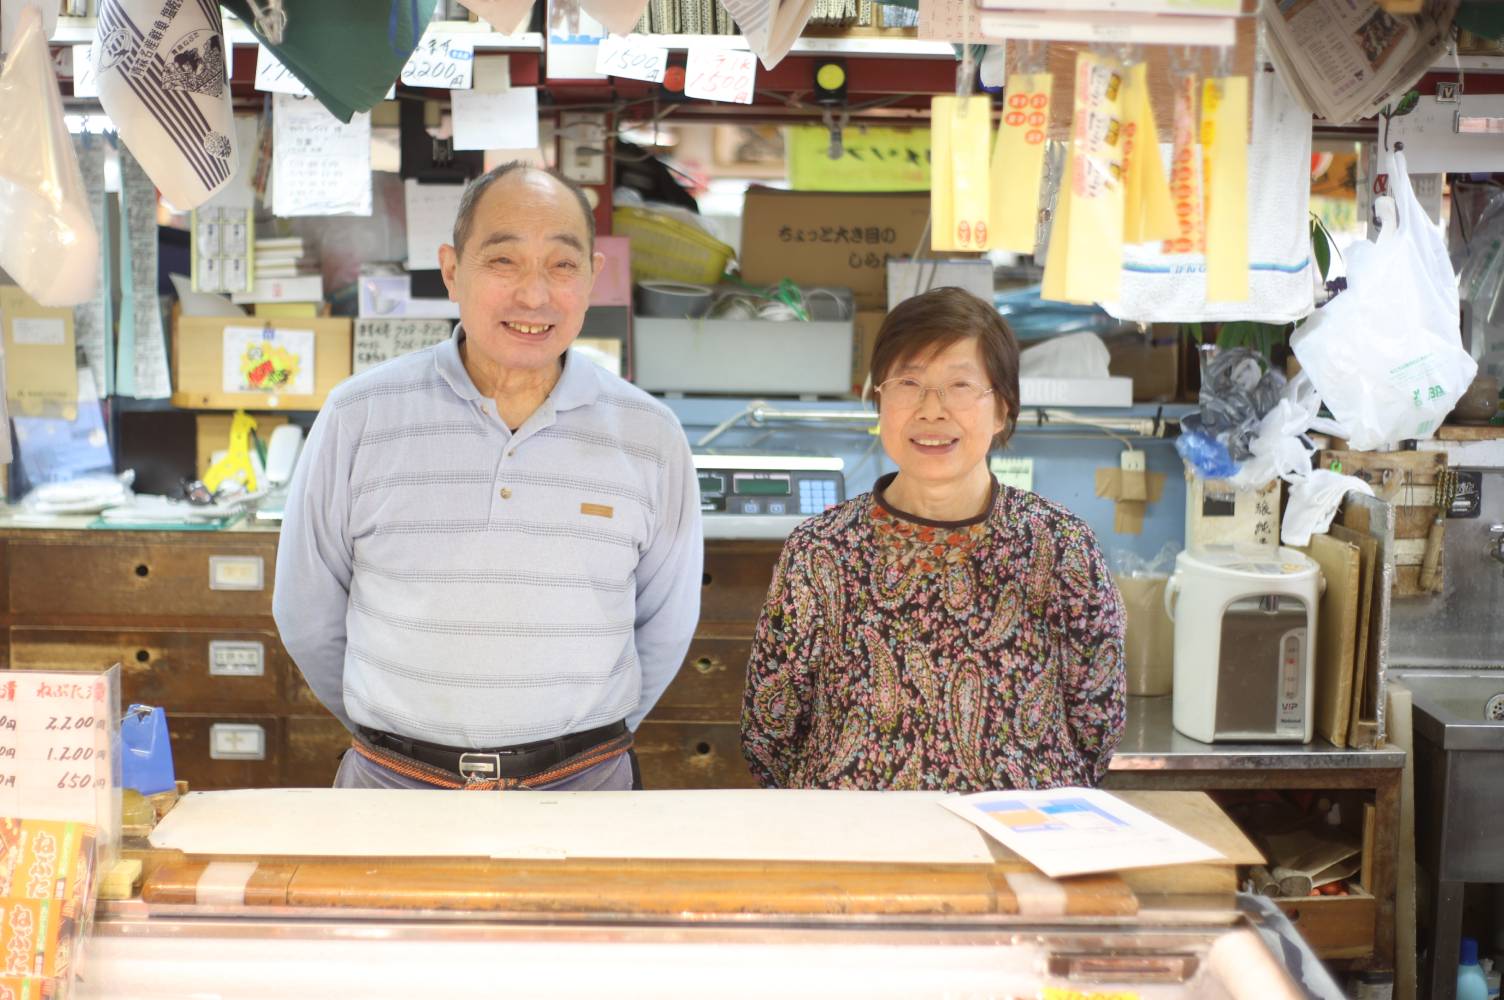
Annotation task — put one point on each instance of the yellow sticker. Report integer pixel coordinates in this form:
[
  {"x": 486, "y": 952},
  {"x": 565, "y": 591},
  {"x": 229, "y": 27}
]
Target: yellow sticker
[
  {"x": 960, "y": 183},
  {"x": 1224, "y": 145},
  {"x": 1185, "y": 172},
  {"x": 1149, "y": 213},
  {"x": 1092, "y": 189},
  {"x": 1017, "y": 161}
]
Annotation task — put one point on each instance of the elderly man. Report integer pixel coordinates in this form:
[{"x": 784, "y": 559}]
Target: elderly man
[{"x": 491, "y": 552}]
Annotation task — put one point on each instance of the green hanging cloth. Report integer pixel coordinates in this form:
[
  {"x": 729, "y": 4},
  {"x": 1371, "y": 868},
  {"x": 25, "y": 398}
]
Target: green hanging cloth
[{"x": 347, "y": 52}]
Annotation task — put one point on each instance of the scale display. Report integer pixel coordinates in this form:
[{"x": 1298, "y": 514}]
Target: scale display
[{"x": 763, "y": 485}]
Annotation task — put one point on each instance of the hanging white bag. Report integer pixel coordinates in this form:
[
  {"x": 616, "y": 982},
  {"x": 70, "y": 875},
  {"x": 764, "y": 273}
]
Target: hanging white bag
[
  {"x": 1386, "y": 355},
  {"x": 48, "y": 243}
]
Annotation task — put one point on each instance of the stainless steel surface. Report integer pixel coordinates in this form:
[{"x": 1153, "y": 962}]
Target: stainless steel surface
[
  {"x": 1452, "y": 708},
  {"x": 1150, "y": 743},
  {"x": 1262, "y": 674},
  {"x": 1459, "y": 627}
]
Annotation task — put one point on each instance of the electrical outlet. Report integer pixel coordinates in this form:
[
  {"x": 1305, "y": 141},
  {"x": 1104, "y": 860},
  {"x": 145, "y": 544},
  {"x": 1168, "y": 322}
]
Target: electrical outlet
[
  {"x": 1135, "y": 476},
  {"x": 582, "y": 145}
]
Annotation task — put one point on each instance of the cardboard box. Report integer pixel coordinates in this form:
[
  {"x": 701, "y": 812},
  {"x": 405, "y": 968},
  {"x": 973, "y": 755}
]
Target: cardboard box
[
  {"x": 864, "y": 337},
  {"x": 209, "y": 361},
  {"x": 824, "y": 238},
  {"x": 1152, "y": 361}
]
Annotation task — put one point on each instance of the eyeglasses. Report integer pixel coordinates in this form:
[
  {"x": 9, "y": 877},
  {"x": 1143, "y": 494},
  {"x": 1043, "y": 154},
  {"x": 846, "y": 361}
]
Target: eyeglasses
[{"x": 908, "y": 392}]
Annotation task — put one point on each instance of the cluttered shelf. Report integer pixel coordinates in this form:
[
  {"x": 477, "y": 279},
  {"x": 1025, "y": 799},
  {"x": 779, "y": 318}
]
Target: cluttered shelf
[{"x": 83, "y": 30}]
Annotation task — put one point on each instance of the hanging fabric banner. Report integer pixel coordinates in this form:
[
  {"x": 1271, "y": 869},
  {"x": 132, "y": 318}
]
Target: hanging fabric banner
[{"x": 960, "y": 134}]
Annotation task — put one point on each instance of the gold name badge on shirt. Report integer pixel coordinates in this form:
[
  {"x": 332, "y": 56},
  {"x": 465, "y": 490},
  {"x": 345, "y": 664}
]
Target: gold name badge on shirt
[{"x": 597, "y": 510}]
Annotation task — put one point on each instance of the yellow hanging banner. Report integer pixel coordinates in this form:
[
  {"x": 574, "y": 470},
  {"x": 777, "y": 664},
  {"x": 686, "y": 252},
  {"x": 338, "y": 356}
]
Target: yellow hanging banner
[
  {"x": 1052, "y": 286},
  {"x": 1092, "y": 220},
  {"x": 1185, "y": 172},
  {"x": 1017, "y": 161},
  {"x": 1224, "y": 146},
  {"x": 960, "y": 184},
  {"x": 1150, "y": 215}
]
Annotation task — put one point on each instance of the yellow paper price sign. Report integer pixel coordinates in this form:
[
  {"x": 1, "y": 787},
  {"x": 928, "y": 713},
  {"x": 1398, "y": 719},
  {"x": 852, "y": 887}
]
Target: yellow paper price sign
[
  {"x": 1185, "y": 173},
  {"x": 960, "y": 182},
  {"x": 1149, "y": 214},
  {"x": 1017, "y": 161},
  {"x": 1224, "y": 145},
  {"x": 1086, "y": 237}
]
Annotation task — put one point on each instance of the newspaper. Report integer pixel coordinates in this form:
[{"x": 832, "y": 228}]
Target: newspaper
[{"x": 1346, "y": 59}]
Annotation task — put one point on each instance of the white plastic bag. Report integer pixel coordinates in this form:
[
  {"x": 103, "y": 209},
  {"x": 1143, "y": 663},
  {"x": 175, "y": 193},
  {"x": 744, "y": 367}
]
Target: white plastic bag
[
  {"x": 1386, "y": 355},
  {"x": 48, "y": 242}
]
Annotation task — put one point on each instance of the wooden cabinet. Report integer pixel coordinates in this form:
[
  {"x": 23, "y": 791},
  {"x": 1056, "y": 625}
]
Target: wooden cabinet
[
  {"x": 188, "y": 616},
  {"x": 692, "y": 739}
]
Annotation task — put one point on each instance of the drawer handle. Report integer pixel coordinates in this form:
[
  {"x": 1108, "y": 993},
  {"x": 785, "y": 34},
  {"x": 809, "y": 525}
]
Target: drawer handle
[
  {"x": 142, "y": 569},
  {"x": 142, "y": 656},
  {"x": 702, "y": 748},
  {"x": 706, "y": 664}
]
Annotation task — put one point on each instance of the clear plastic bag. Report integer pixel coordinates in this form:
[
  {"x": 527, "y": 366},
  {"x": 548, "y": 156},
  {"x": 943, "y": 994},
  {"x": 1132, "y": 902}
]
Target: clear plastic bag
[
  {"x": 1386, "y": 355},
  {"x": 48, "y": 242}
]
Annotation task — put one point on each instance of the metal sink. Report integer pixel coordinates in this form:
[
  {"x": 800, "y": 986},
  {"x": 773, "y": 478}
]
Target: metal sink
[{"x": 1458, "y": 709}]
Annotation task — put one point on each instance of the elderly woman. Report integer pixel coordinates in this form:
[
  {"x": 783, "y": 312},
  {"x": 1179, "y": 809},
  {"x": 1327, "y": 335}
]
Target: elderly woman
[{"x": 942, "y": 631}]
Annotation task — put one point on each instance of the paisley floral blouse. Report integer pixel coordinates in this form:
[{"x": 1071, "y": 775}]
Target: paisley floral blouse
[{"x": 899, "y": 653}]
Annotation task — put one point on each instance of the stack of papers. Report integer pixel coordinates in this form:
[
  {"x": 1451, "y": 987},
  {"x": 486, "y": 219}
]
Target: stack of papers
[{"x": 1347, "y": 59}]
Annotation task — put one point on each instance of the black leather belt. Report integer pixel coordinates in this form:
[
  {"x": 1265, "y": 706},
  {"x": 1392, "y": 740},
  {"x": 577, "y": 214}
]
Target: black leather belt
[{"x": 520, "y": 761}]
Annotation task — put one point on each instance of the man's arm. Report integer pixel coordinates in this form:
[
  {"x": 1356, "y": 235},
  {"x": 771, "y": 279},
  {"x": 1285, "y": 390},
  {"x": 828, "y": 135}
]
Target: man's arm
[
  {"x": 314, "y": 560},
  {"x": 668, "y": 583}
]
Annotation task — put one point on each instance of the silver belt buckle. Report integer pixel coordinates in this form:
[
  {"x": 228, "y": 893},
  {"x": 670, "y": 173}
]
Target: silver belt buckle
[{"x": 478, "y": 767}]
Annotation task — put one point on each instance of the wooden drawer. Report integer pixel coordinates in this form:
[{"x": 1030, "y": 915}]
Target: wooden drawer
[
  {"x": 708, "y": 687},
  {"x": 314, "y": 745},
  {"x": 201, "y": 753},
  {"x": 737, "y": 575},
  {"x": 692, "y": 755},
  {"x": 141, "y": 578},
  {"x": 1334, "y": 926},
  {"x": 167, "y": 667}
]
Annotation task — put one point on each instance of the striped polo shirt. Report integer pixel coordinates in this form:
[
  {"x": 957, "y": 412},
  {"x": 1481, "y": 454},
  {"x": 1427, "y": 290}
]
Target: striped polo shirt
[{"x": 445, "y": 578}]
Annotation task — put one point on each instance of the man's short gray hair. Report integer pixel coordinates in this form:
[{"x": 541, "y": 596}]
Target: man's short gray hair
[{"x": 473, "y": 192}]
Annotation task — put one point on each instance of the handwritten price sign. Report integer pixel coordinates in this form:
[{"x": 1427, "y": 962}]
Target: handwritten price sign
[
  {"x": 631, "y": 58},
  {"x": 275, "y": 78},
  {"x": 56, "y": 744},
  {"x": 441, "y": 61},
  {"x": 714, "y": 74}
]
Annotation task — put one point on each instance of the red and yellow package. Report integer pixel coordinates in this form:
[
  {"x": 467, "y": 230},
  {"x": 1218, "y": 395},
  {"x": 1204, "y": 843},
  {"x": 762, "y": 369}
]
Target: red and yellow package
[{"x": 46, "y": 874}]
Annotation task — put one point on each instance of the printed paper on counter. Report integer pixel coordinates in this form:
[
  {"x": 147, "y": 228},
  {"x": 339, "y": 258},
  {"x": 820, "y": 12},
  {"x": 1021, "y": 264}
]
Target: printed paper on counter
[{"x": 1075, "y": 831}]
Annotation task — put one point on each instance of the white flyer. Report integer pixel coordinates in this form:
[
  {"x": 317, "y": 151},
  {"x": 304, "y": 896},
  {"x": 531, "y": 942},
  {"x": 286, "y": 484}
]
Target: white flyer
[
  {"x": 320, "y": 165},
  {"x": 1073, "y": 831}
]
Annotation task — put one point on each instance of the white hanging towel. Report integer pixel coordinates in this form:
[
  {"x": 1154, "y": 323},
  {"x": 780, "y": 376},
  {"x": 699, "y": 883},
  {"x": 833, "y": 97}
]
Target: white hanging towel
[
  {"x": 1171, "y": 288},
  {"x": 162, "y": 80}
]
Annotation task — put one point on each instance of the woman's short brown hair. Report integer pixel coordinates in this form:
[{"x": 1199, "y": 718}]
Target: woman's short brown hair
[{"x": 926, "y": 324}]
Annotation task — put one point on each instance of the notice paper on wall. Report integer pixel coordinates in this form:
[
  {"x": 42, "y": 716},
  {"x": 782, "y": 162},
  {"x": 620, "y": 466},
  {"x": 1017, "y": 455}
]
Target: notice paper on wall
[
  {"x": 1074, "y": 831},
  {"x": 380, "y": 339},
  {"x": 39, "y": 356},
  {"x": 320, "y": 165},
  {"x": 268, "y": 359},
  {"x": 431, "y": 209},
  {"x": 507, "y": 119},
  {"x": 57, "y": 744},
  {"x": 141, "y": 360}
]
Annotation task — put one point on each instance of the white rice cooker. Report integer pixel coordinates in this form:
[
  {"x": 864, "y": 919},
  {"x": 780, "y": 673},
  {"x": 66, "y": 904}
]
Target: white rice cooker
[{"x": 1245, "y": 636}]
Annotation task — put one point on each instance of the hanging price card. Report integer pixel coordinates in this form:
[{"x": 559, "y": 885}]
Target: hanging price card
[
  {"x": 272, "y": 76},
  {"x": 444, "y": 62},
  {"x": 1018, "y": 160},
  {"x": 1150, "y": 216},
  {"x": 960, "y": 181},
  {"x": 632, "y": 58},
  {"x": 715, "y": 74},
  {"x": 1185, "y": 172}
]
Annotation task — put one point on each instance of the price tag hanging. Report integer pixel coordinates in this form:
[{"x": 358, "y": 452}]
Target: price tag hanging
[
  {"x": 1150, "y": 215},
  {"x": 960, "y": 181},
  {"x": 1018, "y": 160},
  {"x": 1092, "y": 255},
  {"x": 1224, "y": 145},
  {"x": 1185, "y": 171}
]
